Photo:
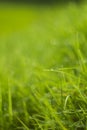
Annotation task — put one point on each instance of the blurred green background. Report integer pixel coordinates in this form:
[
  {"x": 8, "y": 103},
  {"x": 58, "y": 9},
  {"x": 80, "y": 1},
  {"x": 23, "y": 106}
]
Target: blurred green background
[
  {"x": 19, "y": 14},
  {"x": 41, "y": 1}
]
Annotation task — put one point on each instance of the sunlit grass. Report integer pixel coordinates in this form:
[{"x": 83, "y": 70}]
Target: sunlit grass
[{"x": 43, "y": 67}]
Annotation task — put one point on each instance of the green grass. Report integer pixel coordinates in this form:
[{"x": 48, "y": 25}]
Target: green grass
[{"x": 43, "y": 67}]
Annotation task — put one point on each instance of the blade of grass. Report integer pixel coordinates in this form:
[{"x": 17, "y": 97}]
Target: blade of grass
[{"x": 26, "y": 128}]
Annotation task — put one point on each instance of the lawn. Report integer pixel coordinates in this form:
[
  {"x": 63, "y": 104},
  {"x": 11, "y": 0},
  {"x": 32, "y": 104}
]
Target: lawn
[{"x": 43, "y": 67}]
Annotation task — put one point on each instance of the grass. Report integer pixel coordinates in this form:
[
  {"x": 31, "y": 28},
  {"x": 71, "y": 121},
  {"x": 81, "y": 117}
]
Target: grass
[{"x": 43, "y": 67}]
